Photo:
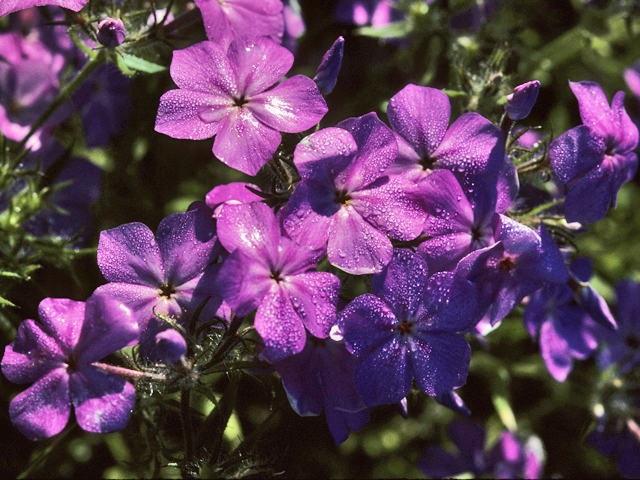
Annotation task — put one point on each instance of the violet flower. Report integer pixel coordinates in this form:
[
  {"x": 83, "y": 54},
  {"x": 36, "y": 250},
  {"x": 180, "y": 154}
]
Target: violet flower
[
  {"x": 566, "y": 330},
  {"x": 620, "y": 440},
  {"x": 509, "y": 458},
  {"x": 521, "y": 101},
  {"x": 322, "y": 377},
  {"x": 408, "y": 329},
  {"x": 59, "y": 354},
  {"x": 225, "y": 20},
  {"x": 345, "y": 198},
  {"x": 226, "y": 94},
  {"x": 168, "y": 273},
  {"x": 111, "y": 32},
  {"x": 377, "y": 13},
  {"x": 472, "y": 147},
  {"x": 327, "y": 73},
  {"x": 294, "y": 26},
  {"x": 595, "y": 159},
  {"x": 623, "y": 345},
  {"x": 520, "y": 263},
  {"x": 10, "y": 6},
  {"x": 269, "y": 271}
]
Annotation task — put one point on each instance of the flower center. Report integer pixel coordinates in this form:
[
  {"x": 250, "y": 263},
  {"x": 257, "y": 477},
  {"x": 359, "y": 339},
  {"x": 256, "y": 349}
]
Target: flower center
[
  {"x": 405, "y": 328},
  {"x": 342, "y": 197},
  {"x": 240, "y": 101},
  {"x": 427, "y": 162},
  {"x": 506, "y": 264},
  {"x": 167, "y": 290},
  {"x": 72, "y": 361},
  {"x": 276, "y": 275},
  {"x": 633, "y": 341}
]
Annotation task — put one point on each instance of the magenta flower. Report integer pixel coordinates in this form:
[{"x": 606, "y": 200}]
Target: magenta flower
[
  {"x": 345, "y": 197},
  {"x": 268, "y": 270},
  {"x": 111, "y": 32},
  {"x": 59, "y": 354},
  {"x": 10, "y": 6},
  {"x": 168, "y": 273},
  {"x": 226, "y": 94},
  {"x": 595, "y": 159},
  {"x": 224, "y": 20}
]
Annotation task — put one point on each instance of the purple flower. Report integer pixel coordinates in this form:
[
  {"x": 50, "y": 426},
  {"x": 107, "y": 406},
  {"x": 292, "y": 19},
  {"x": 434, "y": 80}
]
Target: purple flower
[
  {"x": 623, "y": 345},
  {"x": 59, "y": 354},
  {"x": 226, "y": 94},
  {"x": 472, "y": 148},
  {"x": 269, "y": 271},
  {"x": 233, "y": 193},
  {"x": 520, "y": 263},
  {"x": 377, "y": 13},
  {"x": 28, "y": 83},
  {"x": 595, "y": 159},
  {"x": 345, "y": 198},
  {"x": 454, "y": 225},
  {"x": 169, "y": 347},
  {"x": 168, "y": 273},
  {"x": 408, "y": 329},
  {"x": 294, "y": 26},
  {"x": 9, "y": 6},
  {"x": 224, "y": 20},
  {"x": 632, "y": 78},
  {"x": 509, "y": 458},
  {"x": 521, "y": 101},
  {"x": 327, "y": 72},
  {"x": 621, "y": 441},
  {"x": 322, "y": 377},
  {"x": 111, "y": 32},
  {"x": 567, "y": 331}
]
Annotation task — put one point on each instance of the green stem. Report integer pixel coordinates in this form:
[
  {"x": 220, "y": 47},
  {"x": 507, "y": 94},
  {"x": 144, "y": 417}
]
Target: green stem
[
  {"x": 64, "y": 94},
  {"x": 187, "y": 430}
]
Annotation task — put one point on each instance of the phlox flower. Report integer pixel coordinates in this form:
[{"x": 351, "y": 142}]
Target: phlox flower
[
  {"x": 226, "y": 93},
  {"x": 521, "y": 101},
  {"x": 9, "y": 6},
  {"x": 408, "y": 329},
  {"x": 269, "y": 271},
  {"x": 59, "y": 354},
  {"x": 377, "y": 13},
  {"x": 518, "y": 264},
  {"x": 322, "y": 377},
  {"x": 346, "y": 199},
  {"x": 224, "y": 20},
  {"x": 595, "y": 159},
  {"x": 169, "y": 273}
]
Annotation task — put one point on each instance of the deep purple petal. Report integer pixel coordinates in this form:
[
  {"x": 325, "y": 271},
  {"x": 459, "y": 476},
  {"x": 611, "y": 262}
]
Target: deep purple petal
[
  {"x": 355, "y": 246},
  {"x": 329, "y": 67},
  {"x": 169, "y": 348},
  {"x": 469, "y": 437},
  {"x": 314, "y": 296},
  {"x": 191, "y": 115},
  {"x": 259, "y": 142},
  {"x": 626, "y": 133},
  {"x": 447, "y": 205},
  {"x": 258, "y": 62},
  {"x": 9, "y": 6},
  {"x": 450, "y": 304},
  {"x": 103, "y": 401},
  {"x": 140, "y": 298},
  {"x": 252, "y": 228},
  {"x": 188, "y": 243},
  {"x": 555, "y": 352},
  {"x": 507, "y": 186},
  {"x": 32, "y": 354},
  {"x": 439, "y": 463},
  {"x": 377, "y": 148},
  {"x": 204, "y": 67},
  {"x": 550, "y": 265},
  {"x": 589, "y": 197},
  {"x": 292, "y": 106},
  {"x": 242, "y": 282},
  {"x": 109, "y": 325},
  {"x": 384, "y": 375},
  {"x": 130, "y": 254},
  {"x": 392, "y": 206},
  {"x": 443, "y": 252},
  {"x": 421, "y": 116},
  {"x": 521, "y": 101},
  {"x": 279, "y": 325},
  {"x": 63, "y": 320},
  {"x": 341, "y": 422},
  {"x": 366, "y": 323},
  {"x": 401, "y": 283},
  {"x": 309, "y": 212},
  {"x": 439, "y": 361},
  {"x": 575, "y": 152},
  {"x": 594, "y": 108},
  {"x": 43, "y": 409}
]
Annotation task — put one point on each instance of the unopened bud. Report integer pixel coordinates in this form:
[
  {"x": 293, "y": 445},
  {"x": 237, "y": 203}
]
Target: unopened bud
[{"x": 111, "y": 32}]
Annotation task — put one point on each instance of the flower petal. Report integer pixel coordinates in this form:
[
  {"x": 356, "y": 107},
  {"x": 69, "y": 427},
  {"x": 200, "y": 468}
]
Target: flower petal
[
  {"x": 9, "y": 6},
  {"x": 594, "y": 108},
  {"x": 366, "y": 323},
  {"x": 575, "y": 152},
  {"x": 314, "y": 296},
  {"x": 292, "y": 106},
  {"x": 450, "y": 304},
  {"x": 43, "y": 409},
  {"x": 62, "y": 320},
  {"x": 252, "y": 228},
  {"x": 103, "y": 401}
]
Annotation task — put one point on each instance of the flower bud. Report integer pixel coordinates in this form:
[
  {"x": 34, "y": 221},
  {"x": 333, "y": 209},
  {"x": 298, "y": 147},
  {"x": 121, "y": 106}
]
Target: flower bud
[
  {"x": 111, "y": 32},
  {"x": 170, "y": 347},
  {"x": 329, "y": 68},
  {"x": 520, "y": 102}
]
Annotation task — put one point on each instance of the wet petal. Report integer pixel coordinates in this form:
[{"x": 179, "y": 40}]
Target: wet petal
[
  {"x": 366, "y": 323},
  {"x": 575, "y": 153},
  {"x": 63, "y": 319},
  {"x": 314, "y": 296},
  {"x": 252, "y": 228}
]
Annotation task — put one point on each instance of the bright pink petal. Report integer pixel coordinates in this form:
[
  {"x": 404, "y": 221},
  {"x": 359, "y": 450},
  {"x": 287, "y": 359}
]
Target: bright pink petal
[
  {"x": 245, "y": 143},
  {"x": 259, "y": 62},
  {"x": 252, "y": 228},
  {"x": 9, "y": 6},
  {"x": 63, "y": 320},
  {"x": 103, "y": 401},
  {"x": 43, "y": 409},
  {"x": 292, "y": 106}
]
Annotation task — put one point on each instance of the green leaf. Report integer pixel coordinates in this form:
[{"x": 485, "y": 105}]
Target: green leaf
[
  {"x": 4, "y": 301},
  {"x": 392, "y": 30},
  {"x": 141, "y": 65}
]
